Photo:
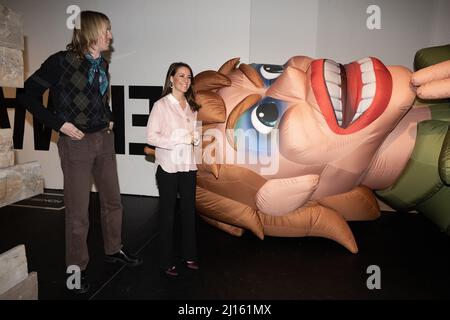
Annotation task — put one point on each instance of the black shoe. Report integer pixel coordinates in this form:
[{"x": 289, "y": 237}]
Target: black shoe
[
  {"x": 191, "y": 264},
  {"x": 125, "y": 258},
  {"x": 171, "y": 272},
  {"x": 84, "y": 285}
]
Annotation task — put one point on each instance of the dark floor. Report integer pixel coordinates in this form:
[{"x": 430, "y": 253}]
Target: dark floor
[{"x": 413, "y": 256}]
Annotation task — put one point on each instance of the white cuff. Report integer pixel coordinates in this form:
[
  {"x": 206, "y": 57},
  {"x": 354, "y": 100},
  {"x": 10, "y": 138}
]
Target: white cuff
[{"x": 187, "y": 139}]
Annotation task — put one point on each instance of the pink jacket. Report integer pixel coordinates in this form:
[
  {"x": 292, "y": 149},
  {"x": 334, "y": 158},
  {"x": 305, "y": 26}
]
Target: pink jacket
[{"x": 169, "y": 129}]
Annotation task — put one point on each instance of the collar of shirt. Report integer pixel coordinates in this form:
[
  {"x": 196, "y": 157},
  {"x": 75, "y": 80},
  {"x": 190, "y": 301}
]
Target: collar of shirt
[{"x": 173, "y": 101}]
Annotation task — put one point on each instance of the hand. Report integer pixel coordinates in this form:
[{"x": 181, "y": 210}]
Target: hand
[
  {"x": 433, "y": 82},
  {"x": 70, "y": 130},
  {"x": 195, "y": 138}
]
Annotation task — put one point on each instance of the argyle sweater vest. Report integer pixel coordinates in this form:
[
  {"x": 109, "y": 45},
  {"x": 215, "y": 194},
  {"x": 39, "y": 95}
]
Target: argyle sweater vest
[
  {"x": 73, "y": 98},
  {"x": 78, "y": 101}
]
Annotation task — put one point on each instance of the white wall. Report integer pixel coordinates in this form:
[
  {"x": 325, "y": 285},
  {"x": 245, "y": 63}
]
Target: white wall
[
  {"x": 282, "y": 29},
  {"x": 440, "y": 29},
  {"x": 405, "y": 27},
  {"x": 149, "y": 35}
]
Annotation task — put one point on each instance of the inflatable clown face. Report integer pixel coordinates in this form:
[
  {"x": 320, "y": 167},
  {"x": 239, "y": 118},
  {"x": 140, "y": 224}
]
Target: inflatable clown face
[
  {"x": 294, "y": 150},
  {"x": 324, "y": 113}
]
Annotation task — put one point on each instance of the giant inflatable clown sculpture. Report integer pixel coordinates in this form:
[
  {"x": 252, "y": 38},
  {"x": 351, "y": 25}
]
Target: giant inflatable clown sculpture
[{"x": 297, "y": 149}]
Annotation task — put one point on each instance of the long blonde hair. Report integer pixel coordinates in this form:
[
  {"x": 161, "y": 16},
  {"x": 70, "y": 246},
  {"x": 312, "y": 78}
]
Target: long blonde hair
[{"x": 91, "y": 28}]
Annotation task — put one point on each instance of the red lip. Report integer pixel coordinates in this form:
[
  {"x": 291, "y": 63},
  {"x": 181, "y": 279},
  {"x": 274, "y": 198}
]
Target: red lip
[{"x": 352, "y": 96}]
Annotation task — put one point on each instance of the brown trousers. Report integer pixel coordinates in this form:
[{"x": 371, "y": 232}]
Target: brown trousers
[{"x": 95, "y": 156}]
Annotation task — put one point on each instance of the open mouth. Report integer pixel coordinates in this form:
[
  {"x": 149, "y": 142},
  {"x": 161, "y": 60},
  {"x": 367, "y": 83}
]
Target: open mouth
[{"x": 351, "y": 96}]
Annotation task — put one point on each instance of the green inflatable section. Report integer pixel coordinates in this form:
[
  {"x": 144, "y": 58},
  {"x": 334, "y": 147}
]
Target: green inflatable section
[
  {"x": 440, "y": 112},
  {"x": 421, "y": 187},
  {"x": 425, "y": 183},
  {"x": 432, "y": 55},
  {"x": 444, "y": 160}
]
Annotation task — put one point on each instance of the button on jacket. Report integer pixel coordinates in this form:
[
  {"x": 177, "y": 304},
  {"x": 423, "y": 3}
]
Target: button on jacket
[{"x": 169, "y": 129}]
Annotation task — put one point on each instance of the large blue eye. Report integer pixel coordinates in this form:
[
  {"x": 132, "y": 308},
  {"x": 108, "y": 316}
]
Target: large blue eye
[
  {"x": 257, "y": 123},
  {"x": 269, "y": 72},
  {"x": 264, "y": 117}
]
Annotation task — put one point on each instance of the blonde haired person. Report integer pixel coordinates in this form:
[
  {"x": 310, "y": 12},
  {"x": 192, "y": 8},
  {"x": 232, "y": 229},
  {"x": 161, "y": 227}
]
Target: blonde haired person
[{"x": 78, "y": 81}]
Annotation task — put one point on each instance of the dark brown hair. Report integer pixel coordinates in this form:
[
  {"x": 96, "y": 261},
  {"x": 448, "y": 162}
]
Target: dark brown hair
[{"x": 190, "y": 97}]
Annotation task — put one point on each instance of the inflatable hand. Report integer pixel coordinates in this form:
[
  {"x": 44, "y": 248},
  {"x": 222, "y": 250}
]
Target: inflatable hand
[{"x": 433, "y": 82}]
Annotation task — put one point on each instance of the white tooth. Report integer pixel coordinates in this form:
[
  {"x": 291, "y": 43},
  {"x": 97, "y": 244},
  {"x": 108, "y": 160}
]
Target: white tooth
[
  {"x": 332, "y": 66},
  {"x": 332, "y": 62},
  {"x": 364, "y": 105},
  {"x": 332, "y": 77},
  {"x": 338, "y": 115},
  {"x": 367, "y": 66},
  {"x": 340, "y": 123},
  {"x": 361, "y": 61},
  {"x": 334, "y": 90},
  {"x": 337, "y": 104},
  {"x": 356, "y": 116},
  {"x": 368, "y": 77},
  {"x": 368, "y": 90}
]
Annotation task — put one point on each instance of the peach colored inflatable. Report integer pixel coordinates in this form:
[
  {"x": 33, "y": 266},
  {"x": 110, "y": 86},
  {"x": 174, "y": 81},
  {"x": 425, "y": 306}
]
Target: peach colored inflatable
[{"x": 295, "y": 150}]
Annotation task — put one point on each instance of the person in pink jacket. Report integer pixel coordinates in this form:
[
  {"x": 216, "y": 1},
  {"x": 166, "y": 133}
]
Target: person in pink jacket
[{"x": 171, "y": 129}]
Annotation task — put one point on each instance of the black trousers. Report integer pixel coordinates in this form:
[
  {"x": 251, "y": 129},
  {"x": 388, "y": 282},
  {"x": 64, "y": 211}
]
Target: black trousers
[{"x": 169, "y": 184}]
